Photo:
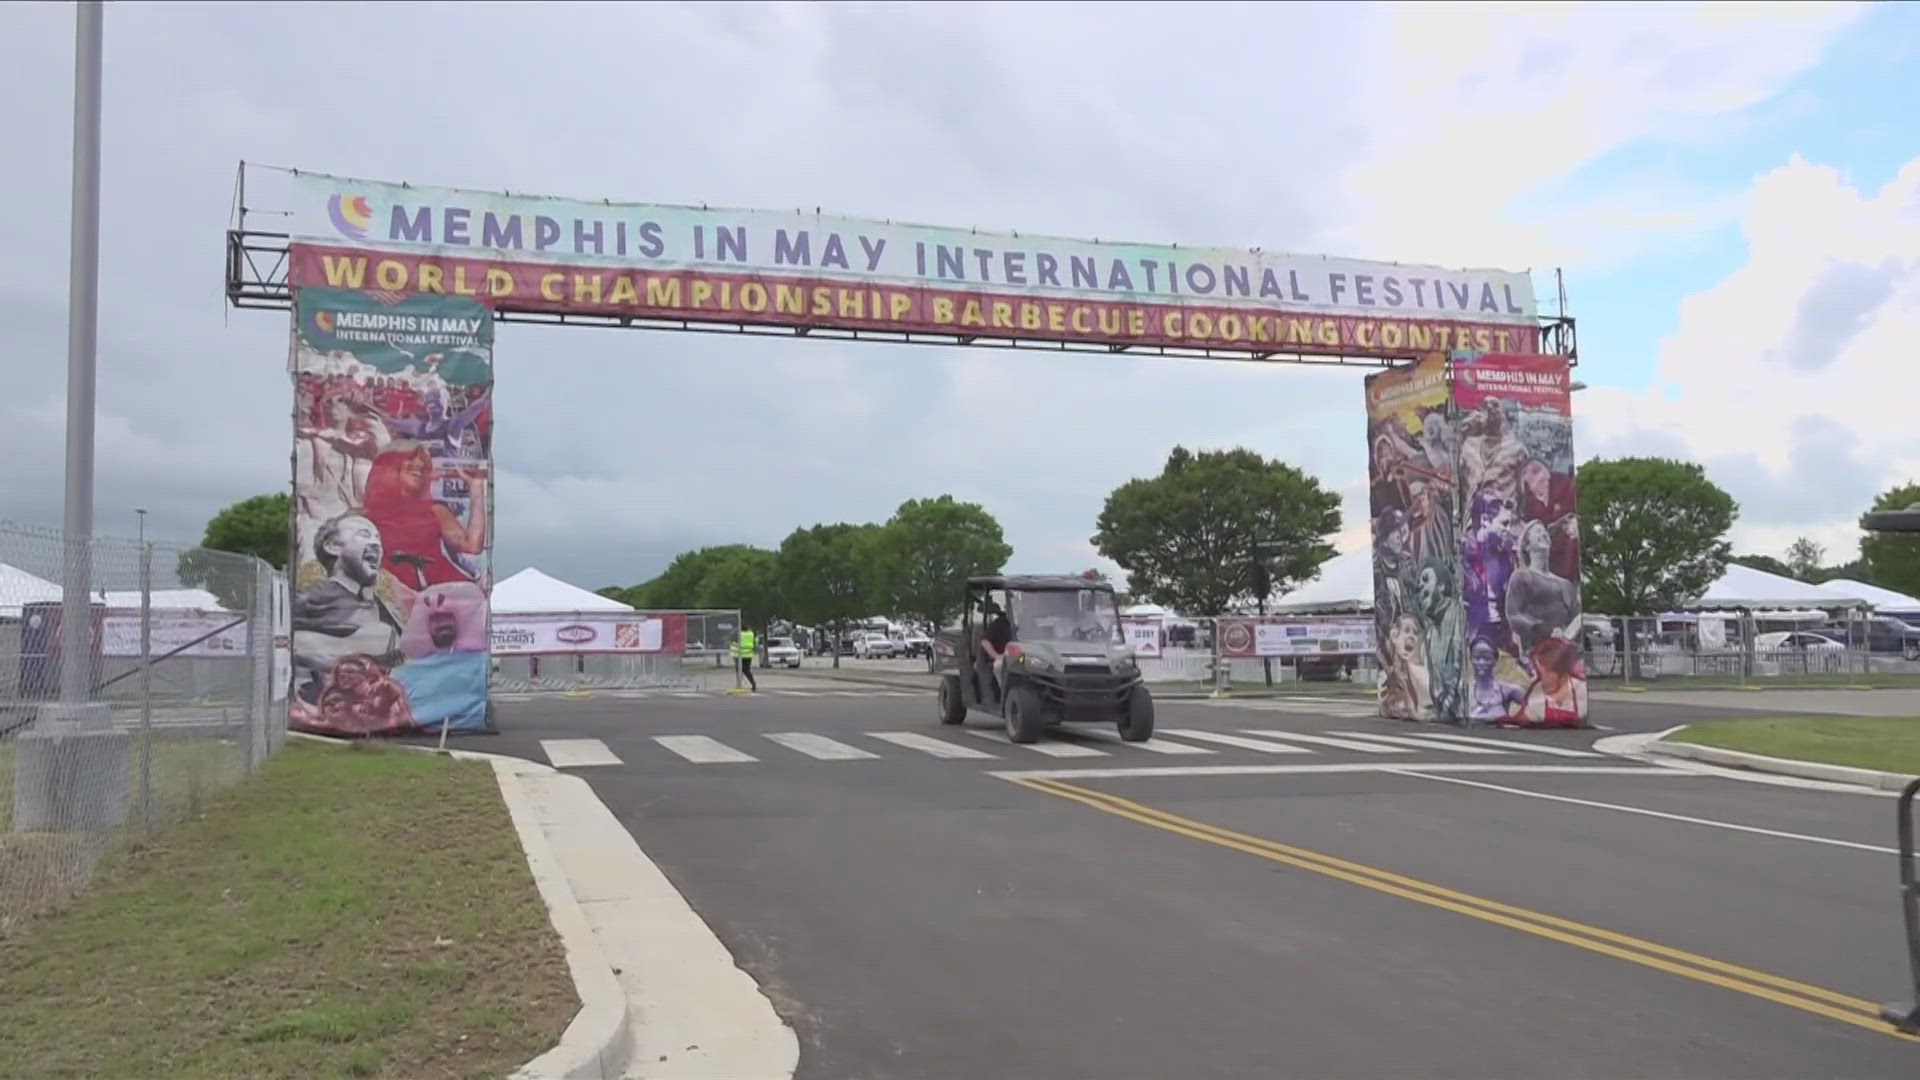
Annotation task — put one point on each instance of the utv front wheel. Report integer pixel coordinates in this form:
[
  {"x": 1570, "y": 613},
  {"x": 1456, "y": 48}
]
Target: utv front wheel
[
  {"x": 1136, "y": 724},
  {"x": 1025, "y": 721}
]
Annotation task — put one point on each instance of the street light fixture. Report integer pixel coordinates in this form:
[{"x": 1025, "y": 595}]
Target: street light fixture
[{"x": 1895, "y": 521}]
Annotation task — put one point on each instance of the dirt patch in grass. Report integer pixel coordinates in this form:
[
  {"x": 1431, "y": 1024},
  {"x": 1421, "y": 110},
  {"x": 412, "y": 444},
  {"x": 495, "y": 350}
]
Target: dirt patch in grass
[
  {"x": 1886, "y": 743},
  {"x": 362, "y": 912}
]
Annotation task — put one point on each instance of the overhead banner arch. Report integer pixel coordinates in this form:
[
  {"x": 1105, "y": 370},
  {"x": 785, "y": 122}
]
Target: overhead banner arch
[
  {"x": 396, "y": 288},
  {"x": 536, "y": 258}
]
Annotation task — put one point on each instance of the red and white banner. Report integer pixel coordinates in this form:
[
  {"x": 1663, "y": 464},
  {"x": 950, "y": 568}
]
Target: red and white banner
[{"x": 588, "y": 632}]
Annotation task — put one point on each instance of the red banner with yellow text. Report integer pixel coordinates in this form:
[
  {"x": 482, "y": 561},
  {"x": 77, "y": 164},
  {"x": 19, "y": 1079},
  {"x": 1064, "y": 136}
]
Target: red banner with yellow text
[{"x": 809, "y": 302}]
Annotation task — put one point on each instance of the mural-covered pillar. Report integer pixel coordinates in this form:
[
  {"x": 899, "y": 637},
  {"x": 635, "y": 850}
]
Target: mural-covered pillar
[
  {"x": 1412, "y": 499},
  {"x": 1476, "y": 545},
  {"x": 392, "y": 507}
]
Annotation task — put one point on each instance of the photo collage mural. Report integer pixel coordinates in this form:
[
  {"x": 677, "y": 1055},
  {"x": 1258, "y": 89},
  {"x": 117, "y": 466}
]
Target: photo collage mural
[
  {"x": 1412, "y": 494},
  {"x": 392, "y": 526},
  {"x": 1476, "y": 543},
  {"x": 1520, "y": 541}
]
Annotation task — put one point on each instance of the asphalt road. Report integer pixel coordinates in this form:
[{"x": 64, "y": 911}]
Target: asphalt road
[{"x": 1342, "y": 906}]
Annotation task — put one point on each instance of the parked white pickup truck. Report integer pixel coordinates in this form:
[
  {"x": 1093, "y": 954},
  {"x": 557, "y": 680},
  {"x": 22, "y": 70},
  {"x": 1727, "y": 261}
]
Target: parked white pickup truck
[
  {"x": 875, "y": 646},
  {"x": 782, "y": 652}
]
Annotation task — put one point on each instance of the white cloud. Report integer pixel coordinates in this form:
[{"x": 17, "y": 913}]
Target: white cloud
[
  {"x": 1471, "y": 112},
  {"x": 1199, "y": 124},
  {"x": 1792, "y": 378}
]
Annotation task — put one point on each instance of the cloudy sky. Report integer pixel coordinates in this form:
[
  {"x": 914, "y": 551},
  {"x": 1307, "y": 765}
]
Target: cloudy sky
[{"x": 1733, "y": 193}]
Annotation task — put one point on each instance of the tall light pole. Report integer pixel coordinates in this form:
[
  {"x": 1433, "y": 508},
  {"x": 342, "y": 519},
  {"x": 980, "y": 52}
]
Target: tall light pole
[{"x": 83, "y": 298}]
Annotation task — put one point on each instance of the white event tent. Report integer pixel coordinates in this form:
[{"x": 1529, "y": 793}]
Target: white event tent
[
  {"x": 1770, "y": 596},
  {"x": 531, "y": 592},
  {"x": 1345, "y": 584},
  {"x": 17, "y": 587},
  {"x": 1884, "y": 601}
]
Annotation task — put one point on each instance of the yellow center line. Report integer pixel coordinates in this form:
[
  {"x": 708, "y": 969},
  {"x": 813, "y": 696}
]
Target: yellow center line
[{"x": 1783, "y": 991}]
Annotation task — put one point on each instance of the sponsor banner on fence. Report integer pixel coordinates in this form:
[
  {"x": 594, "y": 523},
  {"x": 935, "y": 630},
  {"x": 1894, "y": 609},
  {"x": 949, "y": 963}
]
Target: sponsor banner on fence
[
  {"x": 1278, "y": 635},
  {"x": 1143, "y": 635},
  {"x": 1413, "y": 446},
  {"x": 795, "y": 269},
  {"x": 1520, "y": 544},
  {"x": 586, "y": 632},
  {"x": 392, "y": 512},
  {"x": 174, "y": 632}
]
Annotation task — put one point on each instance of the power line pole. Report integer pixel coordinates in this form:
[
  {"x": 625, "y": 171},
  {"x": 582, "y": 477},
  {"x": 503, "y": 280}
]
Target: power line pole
[{"x": 83, "y": 298}]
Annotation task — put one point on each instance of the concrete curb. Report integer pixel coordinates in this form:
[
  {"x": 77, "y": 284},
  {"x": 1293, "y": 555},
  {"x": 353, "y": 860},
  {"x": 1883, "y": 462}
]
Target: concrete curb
[
  {"x": 1807, "y": 770},
  {"x": 598, "y": 1040},
  {"x": 596, "y": 1044},
  {"x": 686, "y": 1009}
]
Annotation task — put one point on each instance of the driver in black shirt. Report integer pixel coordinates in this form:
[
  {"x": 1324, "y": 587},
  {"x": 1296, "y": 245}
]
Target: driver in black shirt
[{"x": 993, "y": 643}]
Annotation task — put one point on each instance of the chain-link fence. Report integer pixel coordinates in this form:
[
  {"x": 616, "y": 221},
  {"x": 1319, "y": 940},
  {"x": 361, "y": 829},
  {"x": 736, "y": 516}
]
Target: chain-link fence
[
  {"x": 1743, "y": 648},
  {"x": 702, "y": 664},
  {"x": 178, "y": 702},
  {"x": 1751, "y": 648}
]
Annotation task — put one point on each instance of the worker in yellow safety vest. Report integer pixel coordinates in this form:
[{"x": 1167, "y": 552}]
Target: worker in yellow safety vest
[{"x": 743, "y": 649}]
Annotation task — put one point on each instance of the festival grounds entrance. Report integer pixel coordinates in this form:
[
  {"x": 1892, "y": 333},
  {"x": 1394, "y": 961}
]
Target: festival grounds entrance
[{"x": 395, "y": 291}]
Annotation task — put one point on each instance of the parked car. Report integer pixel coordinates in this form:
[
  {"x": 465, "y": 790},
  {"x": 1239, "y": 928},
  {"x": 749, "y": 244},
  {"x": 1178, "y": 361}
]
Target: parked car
[
  {"x": 875, "y": 647},
  {"x": 1794, "y": 641},
  {"x": 1880, "y": 634},
  {"x": 1331, "y": 668},
  {"x": 916, "y": 645},
  {"x": 782, "y": 652}
]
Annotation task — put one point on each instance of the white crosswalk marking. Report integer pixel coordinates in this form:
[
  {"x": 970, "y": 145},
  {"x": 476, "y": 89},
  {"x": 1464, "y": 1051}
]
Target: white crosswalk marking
[
  {"x": 570, "y": 753},
  {"x": 819, "y": 746},
  {"x": 1421, "y": 743},
  {"x": 1509, "y": 744},
  {"x": 1155, "y": 745},
  {"x": 1323, "y": 740},
  {"x": 1235, "y": 740},
  {"x": 1051, "y": 749},
  {"x": 702, "y": 750},
  {"x": 940, "y": 748}
]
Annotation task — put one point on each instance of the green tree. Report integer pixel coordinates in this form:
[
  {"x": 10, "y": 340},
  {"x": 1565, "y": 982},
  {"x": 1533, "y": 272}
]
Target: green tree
[
  {"x": 1893, "y": 559},
  {"x": 1218, "y": 528},
  {"x": 747, "y": 578},
  {"x": 823, "y": 571},
  {"x": 1763, "y": 562},
  {"x": 681, "y": 584},
  {"x": 1804, "y": 558},
  {"x": 1852, "y": 571},
  {"x": 261, "y": 527},
  {"x": 1652, "y": 534},
  {"x": 919, "y": 561}
]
